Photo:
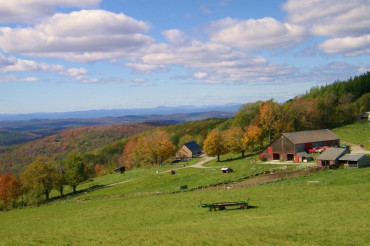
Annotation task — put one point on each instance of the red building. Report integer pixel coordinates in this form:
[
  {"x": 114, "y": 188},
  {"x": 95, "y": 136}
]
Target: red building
[{"x": 287, "y": 145}]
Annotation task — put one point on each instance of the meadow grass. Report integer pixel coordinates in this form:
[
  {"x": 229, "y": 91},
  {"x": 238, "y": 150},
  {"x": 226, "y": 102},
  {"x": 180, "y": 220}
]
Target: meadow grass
[
  {"x": 334, "y": 212},
  {"x": 357, "y": 133}
]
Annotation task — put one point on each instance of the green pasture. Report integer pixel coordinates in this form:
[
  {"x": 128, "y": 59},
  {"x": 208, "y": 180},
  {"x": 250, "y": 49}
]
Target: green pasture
[
  {"x": 357, "y": 133},
  {"x": 329, "y": 213}
]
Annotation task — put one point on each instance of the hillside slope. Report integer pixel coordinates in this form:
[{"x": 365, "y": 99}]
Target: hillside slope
[{"x": 57, "y": 146}]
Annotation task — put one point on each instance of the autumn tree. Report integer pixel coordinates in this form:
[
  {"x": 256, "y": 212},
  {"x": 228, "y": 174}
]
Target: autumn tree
[
  {"x": 128, "y": 157},
  {"x": 9, "y": 188},
  {"x": 215, "y": 144},
  {"x": 38, "y": 178},
  {"x": 75, "y": 170},
  {"x": 269, "y": 118},
  {"x": 253, "y": 135},
  {"x": 235, "y": 140},
  {"x": 155, "y": 147}
]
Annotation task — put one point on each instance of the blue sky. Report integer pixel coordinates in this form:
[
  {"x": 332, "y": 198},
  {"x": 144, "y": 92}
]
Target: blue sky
[{"x": 65, "y": 55}]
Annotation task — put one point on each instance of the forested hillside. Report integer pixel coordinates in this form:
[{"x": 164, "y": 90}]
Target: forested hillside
[{"x": 81, "y": 140}]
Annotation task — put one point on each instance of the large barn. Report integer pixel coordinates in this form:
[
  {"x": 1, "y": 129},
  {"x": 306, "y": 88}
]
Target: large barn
[{"x": 287, "y": 145}]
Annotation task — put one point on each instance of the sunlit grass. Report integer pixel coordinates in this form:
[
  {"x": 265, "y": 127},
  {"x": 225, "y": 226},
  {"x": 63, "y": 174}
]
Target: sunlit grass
[{"x": 333, "y": 213}]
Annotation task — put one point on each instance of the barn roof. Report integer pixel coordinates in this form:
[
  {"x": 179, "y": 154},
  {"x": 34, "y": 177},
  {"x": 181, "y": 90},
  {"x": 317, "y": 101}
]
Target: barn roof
[
  {"x": 192, "y": 146},
  {"x": 351, "y": 157},
  {"x": 303, "y": 154},
  {"x": 332, "y": 154},
  {"x": 310, "y": 136}
]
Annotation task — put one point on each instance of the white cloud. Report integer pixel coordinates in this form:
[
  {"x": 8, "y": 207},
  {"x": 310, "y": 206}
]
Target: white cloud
[
  {"x": 86, "y": 35},
  {"x": 13, "y": 78},
  {"x": 74, "y": 72},
  {"x": 175, "y": 36},
  {"x": 200, "y": 75},
  {"x": 346, "y": 23},
  {"x": 13, "y": 64},
  {"x": 26, "y": 11},
  {"x": 221, "y": 63},
  {"x": 362, "y": 69},
  {"x": 350, "y": 46},
  {"x": 254, "y": 35}
]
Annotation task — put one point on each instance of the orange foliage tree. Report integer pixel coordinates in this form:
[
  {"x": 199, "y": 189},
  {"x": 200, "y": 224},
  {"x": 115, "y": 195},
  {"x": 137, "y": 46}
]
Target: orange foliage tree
[
  {"x": 155, "y": 148},
  {"x": 129, "y": 157},
  {"x": 9, "y": 188},
  {"x": 215, "y": 144},
  {"x": 235, "y": 140}
]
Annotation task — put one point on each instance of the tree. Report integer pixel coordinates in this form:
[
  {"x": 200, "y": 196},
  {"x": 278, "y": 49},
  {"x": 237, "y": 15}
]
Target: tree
[
  {"x": 38, "y": 178},
  {"x": 247, "y": 114},
  {"x": 269, "y": 118},
  {"x": 9, "y": 188},
  {"x": 60, "y": 178},
  {"x": 75, "y": 170},
  {"x": 253, "y": 135},
  {"x": 215, "y": 144},
  {"x": 128, "y": 157},
  {"x": 155, "y": 148},
  {"x": 235, "y": 140}
]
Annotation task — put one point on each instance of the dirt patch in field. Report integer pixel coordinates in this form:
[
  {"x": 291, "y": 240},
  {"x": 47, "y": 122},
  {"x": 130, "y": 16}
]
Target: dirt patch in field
[{"x": 266, "y": 177}]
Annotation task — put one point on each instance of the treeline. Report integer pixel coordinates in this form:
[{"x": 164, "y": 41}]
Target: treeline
[{"x": 40, "y": 177}]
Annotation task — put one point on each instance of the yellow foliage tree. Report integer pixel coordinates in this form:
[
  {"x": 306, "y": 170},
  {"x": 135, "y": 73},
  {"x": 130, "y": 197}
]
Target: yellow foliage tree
[
  {"x": 253, "y": 135},
  {"x": 215, "y": 144},
  {"x": 235, "y": 140},
  {"x": 155, "y": 148}
]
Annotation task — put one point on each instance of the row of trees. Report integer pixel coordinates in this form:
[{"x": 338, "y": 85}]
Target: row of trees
[
  {"x": 41, "y": 177},
  {"x": 147, "y": 150}
]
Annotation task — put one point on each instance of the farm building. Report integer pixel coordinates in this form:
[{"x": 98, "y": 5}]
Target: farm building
[
  {"x": 226, "y": 170},
  {"x": 303, "y": 157},
  {"x": 330, "y": 157},
  {"x": 355, "y": 160},
  {"x": 287, "y": 145},
  {"x": 189, "y": 150},
  {"x": 120, "y": 169},
  {"x": 365, "y": 115}
]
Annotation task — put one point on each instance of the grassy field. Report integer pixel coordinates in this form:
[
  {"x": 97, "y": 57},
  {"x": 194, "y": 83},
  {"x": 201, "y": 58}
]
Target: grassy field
[
  {"x": 142, "y": 209},
  {"x": 358, "y": 133},
  {"x": 289, "y": 212}
]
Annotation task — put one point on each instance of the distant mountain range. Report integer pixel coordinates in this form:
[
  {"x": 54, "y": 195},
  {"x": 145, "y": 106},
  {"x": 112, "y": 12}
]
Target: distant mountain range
[
  {"x": 17, "y": 129},
  {"x": 93, "y": 114}
]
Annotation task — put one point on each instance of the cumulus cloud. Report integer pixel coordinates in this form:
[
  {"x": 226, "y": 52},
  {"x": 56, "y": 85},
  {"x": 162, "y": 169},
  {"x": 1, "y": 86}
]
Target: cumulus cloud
[
  {"x": 86, "y": 35},
  {"x": 175, "y": 36},
  {"x": 346, "y": 23},
  {"x": 13, "y": 64},
  {"x": 257, "y": 34},
  {"x": 29, "y": 11},
  {"x": 350, "y": 46},
  {"x": 215, "y": 63}
]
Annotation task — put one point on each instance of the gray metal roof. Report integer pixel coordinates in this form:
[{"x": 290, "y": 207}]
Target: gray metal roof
[
  {"x": 332, "y": 154},
  {"x": 304, "y": 154},
  {"x": 311, "y": 136},
  {"x": 192, "y": 146},
  {"x": 351, "y": 157}
]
